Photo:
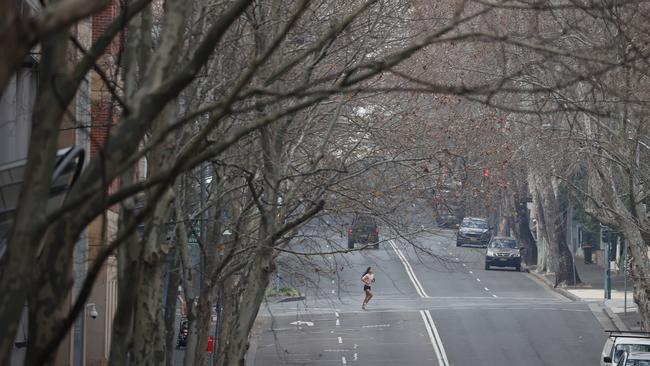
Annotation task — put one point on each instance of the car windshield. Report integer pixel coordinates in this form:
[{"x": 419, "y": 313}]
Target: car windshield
[
  {"x": 621, "y": 348},
  {"x": 503, "y": 243},
  {"x": 637, "y": 363},
  {"x": 475, "y": 224}
]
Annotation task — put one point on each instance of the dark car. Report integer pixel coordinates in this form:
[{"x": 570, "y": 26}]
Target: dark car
[
  {"x": 503, "y": 252},
  {"x": 363, "y": 230},
  {"x": 473, "y": 231}
]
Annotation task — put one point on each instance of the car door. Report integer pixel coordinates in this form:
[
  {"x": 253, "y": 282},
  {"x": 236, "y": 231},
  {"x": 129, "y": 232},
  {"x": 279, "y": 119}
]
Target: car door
[{"x": 607, "y": 352}]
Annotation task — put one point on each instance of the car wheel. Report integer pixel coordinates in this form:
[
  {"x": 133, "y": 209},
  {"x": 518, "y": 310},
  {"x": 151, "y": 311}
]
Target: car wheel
[
  {"x": 487, "y": 266},
  {"x": 518, "y": 268},
  {"x": 350, "y": 244},
  {"x": 458, "y": 244},
  {"x": 376, "y": 246}
]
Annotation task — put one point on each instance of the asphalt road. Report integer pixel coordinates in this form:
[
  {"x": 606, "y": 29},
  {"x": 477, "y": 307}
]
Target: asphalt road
[{"x": 435, "y": 308}]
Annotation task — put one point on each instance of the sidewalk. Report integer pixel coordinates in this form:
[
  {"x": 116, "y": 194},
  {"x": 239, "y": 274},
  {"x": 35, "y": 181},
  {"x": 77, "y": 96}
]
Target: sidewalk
[{"x": 592, "y": 290}]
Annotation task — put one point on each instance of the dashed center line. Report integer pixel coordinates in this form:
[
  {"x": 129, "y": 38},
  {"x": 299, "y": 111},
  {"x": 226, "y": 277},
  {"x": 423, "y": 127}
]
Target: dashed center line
[
  {"x": 478, "y": 279},
  {"x": 343, "y": 360},
  {"x": 340, "y": 340},
  {"x": 486, "y": 289}
]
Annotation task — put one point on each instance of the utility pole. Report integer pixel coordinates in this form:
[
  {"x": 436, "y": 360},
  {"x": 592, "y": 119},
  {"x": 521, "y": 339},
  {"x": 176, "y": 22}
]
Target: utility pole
[
  {"x": 625, "y": 278},
  {"x": 608, "y": 271}
]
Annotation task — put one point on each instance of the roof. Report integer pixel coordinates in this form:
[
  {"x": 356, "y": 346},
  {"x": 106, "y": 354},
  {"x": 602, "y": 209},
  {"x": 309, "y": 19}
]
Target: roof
[
  {"x": 474, "y": 219},
  {"x": 631, "y": 340},
  {"x": 639, "y": 356}
]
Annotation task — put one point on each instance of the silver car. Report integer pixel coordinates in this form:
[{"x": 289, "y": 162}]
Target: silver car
[
  {"x": 620, "y": 343},
  {"x": 503, "y": 252},
  {"x": 634, "y": 359}
]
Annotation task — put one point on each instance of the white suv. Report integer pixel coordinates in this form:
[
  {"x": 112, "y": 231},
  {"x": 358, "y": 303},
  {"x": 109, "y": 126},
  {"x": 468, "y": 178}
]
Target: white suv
[{"x": 620, "y": 343}]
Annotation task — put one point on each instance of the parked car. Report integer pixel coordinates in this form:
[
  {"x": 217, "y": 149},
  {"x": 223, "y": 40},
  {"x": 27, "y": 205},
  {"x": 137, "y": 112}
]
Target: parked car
[
  {"x": 619, "y": 343},
  {"x": 634, "y": 359},
  {"x": 503, "y": 252},
  {"x": 473, "y": 230},
  {"x": 363, "y": 230}
]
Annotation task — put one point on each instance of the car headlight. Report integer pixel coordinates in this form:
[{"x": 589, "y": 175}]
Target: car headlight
[{"x": 490, "y": 253}]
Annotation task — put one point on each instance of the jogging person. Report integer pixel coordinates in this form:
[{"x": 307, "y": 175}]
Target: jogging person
[{"x": 368, "y": 278}]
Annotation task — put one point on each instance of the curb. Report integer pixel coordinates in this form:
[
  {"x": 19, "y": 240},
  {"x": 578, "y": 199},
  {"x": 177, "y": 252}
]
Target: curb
[
  {"x": 291, "y": 299},
  {"x": 618, "y": 322},
  {"x": 616, "y": 319},
  {"x": 548, "y": 283}
]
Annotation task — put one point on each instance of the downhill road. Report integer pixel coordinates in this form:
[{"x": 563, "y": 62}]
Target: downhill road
[{"x": 441, "y": 308}]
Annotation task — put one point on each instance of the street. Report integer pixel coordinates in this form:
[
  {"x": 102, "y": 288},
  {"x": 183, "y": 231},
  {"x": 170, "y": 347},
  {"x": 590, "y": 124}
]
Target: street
[{"x": 440, "y": 309}]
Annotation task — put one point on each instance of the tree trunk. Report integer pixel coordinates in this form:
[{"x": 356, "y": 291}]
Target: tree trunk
[
  {"x": 561, "y": 260},
  {"x": 522, "y": 231},
  {"x": 128, "y": 267},
  {"x": 170, "y": 308},
  {"x": 254, "y": 286},
  {"x": 149, "y": 335}
]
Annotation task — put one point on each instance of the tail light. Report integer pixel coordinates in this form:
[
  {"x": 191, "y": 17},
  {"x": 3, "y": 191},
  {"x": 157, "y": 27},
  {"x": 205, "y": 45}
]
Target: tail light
[
  {"x": 376, "y": 230},
  {"x": 350, "y": 231}
]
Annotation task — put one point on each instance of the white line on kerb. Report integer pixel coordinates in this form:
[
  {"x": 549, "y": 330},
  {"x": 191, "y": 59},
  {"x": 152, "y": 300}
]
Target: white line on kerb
[
  {"x": 409, "y": 270},
  {"x": 340, "y": 340}
]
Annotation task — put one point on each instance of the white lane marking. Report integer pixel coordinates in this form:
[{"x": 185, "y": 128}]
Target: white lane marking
[
  {"x": 438, "y": 339},
  {"x": 478, "y": 279},
  {"x": 464, "y": 265},
  {"x": 340, "y": 340},
  {"x": 333, "y": 291},
  {"x": 409, "y": 270},
  {"x": 336, "y": 314},
  {"x": 332, "y": 281},
  {"x": 377, "y": 326},
  {"x": 486, "y": 289},
  {"x": 434, "y": 344},
  {"x": 470, "y": 272},
  {"x": 343, "y": 361},
  {"x": 338, "y": 323},
  {"x": 457, "y": 259},
  {"x": 495, "y": 296},
  {"x": 356, "y": 357}
]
